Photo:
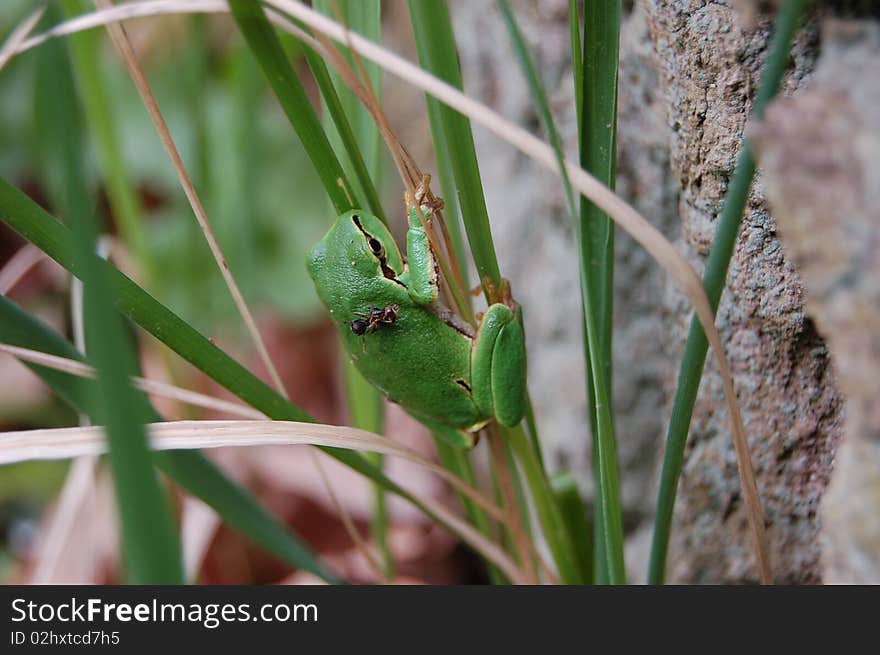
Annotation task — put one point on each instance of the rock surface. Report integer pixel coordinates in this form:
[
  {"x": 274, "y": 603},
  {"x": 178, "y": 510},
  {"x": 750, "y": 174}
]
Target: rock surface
[
  {"x": 821, "y": 153},
  {"x": 711, "y": 62}
]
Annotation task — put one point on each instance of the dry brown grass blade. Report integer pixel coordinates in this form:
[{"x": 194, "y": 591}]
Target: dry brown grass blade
[
  {"x": 126, "y": 51},
  {"x": 19, "y": 34},
  {"x": 348, "y": 523},
  {"x": 59, "y": 525},
  {"x": 209, "y": 402},
  {"x": 198, "y": 525},
  {"x": 64, "y": 443},
  {"x": 57, "y": 529},
  {"x": 621, "y": 212},
  {"x": 151, "y": 387},
  {"x": 505, "y": 486},
  {"x": 18, "y": 266}
]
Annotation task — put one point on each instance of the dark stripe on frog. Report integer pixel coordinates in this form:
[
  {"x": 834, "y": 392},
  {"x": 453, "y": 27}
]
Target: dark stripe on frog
[{"x": 387, "y": 271}]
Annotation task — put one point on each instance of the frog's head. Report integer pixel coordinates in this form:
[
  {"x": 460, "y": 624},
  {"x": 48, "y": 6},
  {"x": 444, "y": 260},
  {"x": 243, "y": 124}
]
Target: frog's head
[{"x": 357, "y": 248}]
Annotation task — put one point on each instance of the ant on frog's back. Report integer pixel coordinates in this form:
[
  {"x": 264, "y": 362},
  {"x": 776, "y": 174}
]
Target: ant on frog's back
[{"x": 371, "y": 320}]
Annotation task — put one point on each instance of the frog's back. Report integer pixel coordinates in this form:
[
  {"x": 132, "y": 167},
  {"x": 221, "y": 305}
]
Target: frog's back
[{"x": 419, "y": 362}]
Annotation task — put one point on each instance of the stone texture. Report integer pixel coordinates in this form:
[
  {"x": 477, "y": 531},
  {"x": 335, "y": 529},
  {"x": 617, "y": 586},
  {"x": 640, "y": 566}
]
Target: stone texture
[
  {"x": 821, "y": 153},
  {"x": 711, "y": 60}
]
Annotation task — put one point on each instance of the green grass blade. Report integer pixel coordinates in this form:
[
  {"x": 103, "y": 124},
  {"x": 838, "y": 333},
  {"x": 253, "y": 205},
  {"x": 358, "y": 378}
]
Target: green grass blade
[
  {"x": 457, "y": 461},
  {"x": 85, "y": 57},
  {"x": 344, "y": 131},
  {"x": 437, "y": 54},
  {"x": 352, "y": 124},
  {"x": 150, "y": 546},
  {"x": 240, "y": 510},
  {"x": 264, "y": 44},
  {"x": 577, "y": 64},
  {"x": 612, "y": 523},
  {"x": 574, "y": 514},
  {"x": 714, "y": 280},
  {"x": 597, "y": 129},
  {"x": 190, "y": 469},
  {"x": 549, "y": 515},
  {"x": 365, "y": 407},
  {"x": 598, "y": 135}
]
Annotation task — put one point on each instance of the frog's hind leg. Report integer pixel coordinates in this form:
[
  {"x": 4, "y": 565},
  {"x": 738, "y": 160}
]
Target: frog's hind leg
[{"x": 498, "y": 366}]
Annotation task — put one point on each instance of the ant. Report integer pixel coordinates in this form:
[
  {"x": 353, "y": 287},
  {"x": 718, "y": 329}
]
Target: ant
[{"x": 370, "y": 321}]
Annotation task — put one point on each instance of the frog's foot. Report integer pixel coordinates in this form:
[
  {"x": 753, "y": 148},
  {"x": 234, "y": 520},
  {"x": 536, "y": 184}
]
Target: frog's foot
[
  {"x": 426, "y": 198},
  {"x": 498, "y": 366}
]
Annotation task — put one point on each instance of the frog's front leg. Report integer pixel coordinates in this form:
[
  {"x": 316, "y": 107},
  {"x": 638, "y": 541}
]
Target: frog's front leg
[
  {"x": 498, "y": 366},
  {"x": 422, "y": 281}
]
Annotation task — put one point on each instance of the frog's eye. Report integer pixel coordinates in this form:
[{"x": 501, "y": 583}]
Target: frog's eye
[{"x": 376, "y": 247}]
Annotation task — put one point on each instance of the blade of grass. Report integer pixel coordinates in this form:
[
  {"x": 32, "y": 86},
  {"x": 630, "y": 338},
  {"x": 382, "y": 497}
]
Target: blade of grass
[
  {"x": 574, "y": 513},
  {"x": 26, "y": 258},
  {"x": 714, "y": 280},
  {"x": 365, "y": 411},
  {"x": 451, "y": 207},
  {"x": 598, "y": 147},
  {"x": 189, "y": 469},
  {"x": 19, "y": 34},
  {"x": 447, "y": 176},
  {"x": 59, "y": 443},
  {"x": 609, "y": 487},
  {"x": 149, "y": 540},
  {"x": 362, "y": 144},
  {"x": 34, "y": 224},
  {"x": 346, "y": 134},
  {"x": 597, "y": 130},
  {"x": 577, "y": 64},
  {"x": 505, "y": 490},
  {"x": 548, "y": 512},
  {"x": 456, "y": 460},
  {"x": 265, "y": 46},
  {"x": 85, "y": 49},
  {"x": 149, "y": 387},
  {"x": 437, "y": 53},
  {"x": 124, "y": 48}
]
